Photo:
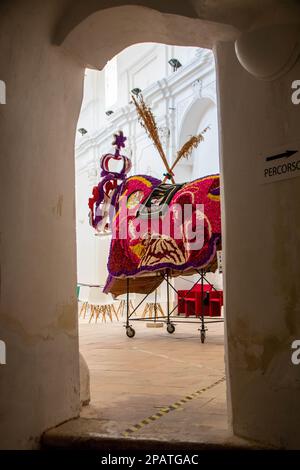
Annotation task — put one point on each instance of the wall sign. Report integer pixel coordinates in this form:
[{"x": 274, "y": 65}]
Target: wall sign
[{"x": 279, "y": 164}]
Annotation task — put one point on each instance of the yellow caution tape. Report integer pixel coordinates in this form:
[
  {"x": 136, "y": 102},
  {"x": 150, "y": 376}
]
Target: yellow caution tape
[{"x": 175, "y": 406}]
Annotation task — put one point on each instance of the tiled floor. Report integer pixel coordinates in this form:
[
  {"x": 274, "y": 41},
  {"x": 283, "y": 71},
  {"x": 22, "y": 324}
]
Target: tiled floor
[{"x": 133, "y": 379}]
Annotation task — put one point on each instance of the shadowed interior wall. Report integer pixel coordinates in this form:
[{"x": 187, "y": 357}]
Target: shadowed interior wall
[
  {"x": 262, "y": 276},
  {"x": 39, "y": 385}
]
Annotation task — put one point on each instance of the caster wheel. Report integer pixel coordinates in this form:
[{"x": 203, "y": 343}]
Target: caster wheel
[
  {"x": 170, "y": 328},
  {"x": 202, "y": 336},
  {"x": 130, "y": 332}
]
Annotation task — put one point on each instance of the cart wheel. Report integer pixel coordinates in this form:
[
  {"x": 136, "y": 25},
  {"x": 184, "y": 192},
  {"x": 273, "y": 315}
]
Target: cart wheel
[
  {"x": 130, "y": 332},
  {"x": 203, "y": 335},
  {"x": 170, "y": 328}
]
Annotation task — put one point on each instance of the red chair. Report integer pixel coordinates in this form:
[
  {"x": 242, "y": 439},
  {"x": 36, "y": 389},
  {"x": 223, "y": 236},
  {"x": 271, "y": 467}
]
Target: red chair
[
  {"x": 191, "y": 304},
  {"x": 206, "y": 288},
  {"x": 180, "y": 301},
  {"x": 215, "y": 303},
  {"x": 189, "y": 301}
]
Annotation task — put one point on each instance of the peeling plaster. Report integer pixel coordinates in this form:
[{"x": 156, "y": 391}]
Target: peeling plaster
[
  {"x": 258, "y": 354},
  {"x": 65, "y": 322},
  {"x": 286, "y": 275},
  {"x": 67, "y": 319}
]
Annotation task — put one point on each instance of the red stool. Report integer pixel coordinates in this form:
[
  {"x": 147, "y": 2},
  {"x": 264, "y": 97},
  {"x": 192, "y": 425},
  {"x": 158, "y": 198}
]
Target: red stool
[
  {"x": 191, "y": 304},
  {"x": 181, "y": 301},
  {"x": 215, "y": 303}
]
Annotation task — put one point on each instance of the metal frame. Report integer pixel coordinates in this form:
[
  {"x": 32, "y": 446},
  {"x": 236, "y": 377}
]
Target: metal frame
[{"x": 171, "y": 321}]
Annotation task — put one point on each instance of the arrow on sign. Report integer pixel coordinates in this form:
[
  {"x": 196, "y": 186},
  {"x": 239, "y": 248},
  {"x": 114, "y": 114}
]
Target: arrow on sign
[{"x": 286, "y": 154}]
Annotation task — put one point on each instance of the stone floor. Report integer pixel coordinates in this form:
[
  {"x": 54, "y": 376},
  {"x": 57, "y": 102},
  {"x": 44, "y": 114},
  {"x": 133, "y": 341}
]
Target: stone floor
[{"x": 156, "y": 385}]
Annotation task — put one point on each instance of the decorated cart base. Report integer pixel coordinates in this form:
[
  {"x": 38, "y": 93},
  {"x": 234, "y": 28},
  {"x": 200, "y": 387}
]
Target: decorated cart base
[{"x": 171, "y": 319}]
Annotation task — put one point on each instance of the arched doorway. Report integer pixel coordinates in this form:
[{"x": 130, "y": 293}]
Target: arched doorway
[
  {"x": 102, "y": 27},
  {"x": 173, "y": 358}
]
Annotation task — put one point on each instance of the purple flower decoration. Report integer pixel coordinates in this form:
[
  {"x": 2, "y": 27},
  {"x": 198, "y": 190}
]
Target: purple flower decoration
[{"x": 119, "y": 142}]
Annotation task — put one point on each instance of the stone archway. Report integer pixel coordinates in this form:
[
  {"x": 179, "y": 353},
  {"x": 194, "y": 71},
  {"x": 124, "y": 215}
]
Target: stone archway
[{"x": 101, "y": 35}]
